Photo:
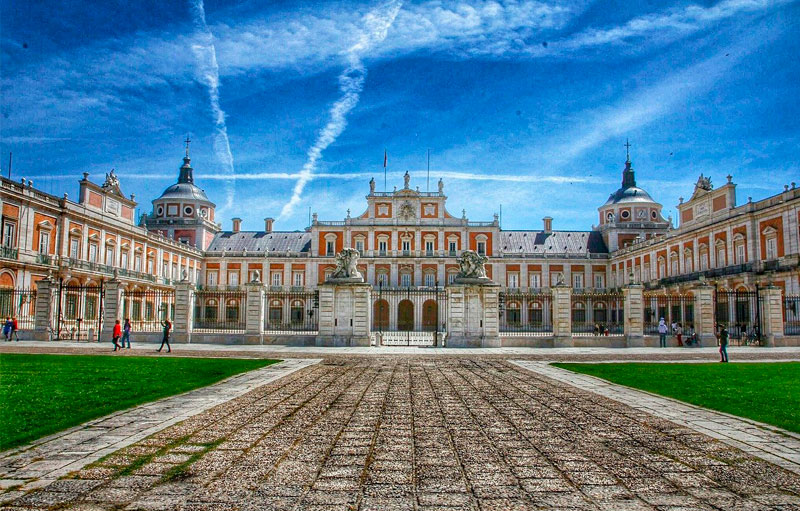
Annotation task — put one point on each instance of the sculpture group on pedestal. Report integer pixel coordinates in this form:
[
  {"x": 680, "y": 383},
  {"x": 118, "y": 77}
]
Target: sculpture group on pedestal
[
  {"x": 471, "y": 268},
  {"x": 346, "y": 267}
]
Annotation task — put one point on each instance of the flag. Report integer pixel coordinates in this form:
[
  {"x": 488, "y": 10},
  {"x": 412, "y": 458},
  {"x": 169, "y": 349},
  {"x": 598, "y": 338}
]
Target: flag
[{"x": 384, "y": 159}]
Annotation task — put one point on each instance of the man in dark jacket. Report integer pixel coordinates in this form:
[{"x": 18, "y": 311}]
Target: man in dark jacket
[{"x": 723, "y": 344}]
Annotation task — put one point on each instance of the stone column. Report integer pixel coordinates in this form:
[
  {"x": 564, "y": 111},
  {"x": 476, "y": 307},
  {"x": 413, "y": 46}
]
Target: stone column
[
  {"x": 46, "y": 291},
  {"x": 704, "y": 315},
  {"x": 254, "y": 313},
  {"x": 772, "y": 315},
  {"x": 345, "y": 314},
  {"x": 633, "y": 295},
  {"x": 184, "y": 312},
  {"x": 562, "y": 316},
  {"x": 112, "y": 307},
  {"x": 473, "y": 319}
]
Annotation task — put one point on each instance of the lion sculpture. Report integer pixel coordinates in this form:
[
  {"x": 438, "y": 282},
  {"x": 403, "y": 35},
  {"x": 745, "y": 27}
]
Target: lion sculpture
[
  {"x": 471, "y": 265},
  {"x": 346, "y": 265}
]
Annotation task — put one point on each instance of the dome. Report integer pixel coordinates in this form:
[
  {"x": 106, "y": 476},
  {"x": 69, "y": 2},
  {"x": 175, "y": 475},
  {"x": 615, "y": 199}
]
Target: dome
[
  {"x": 184, "y": 191},
  {"x": 627, "y": 195}
]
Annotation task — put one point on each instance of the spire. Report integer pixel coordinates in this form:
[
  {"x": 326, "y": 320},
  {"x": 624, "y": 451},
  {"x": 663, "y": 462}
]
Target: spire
[
  {"x": 628, "y": 177},
  {"x": 185, "y": 175}
]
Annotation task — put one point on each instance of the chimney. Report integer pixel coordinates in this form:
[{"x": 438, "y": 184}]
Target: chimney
[
  {"x": 237, "y": 224},
  {"x": 268, "y": 224},
  {"x": 548, "y": 223}
]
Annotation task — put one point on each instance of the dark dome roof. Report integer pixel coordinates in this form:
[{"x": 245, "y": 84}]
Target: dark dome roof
[
  {"x": 630, "y": 194},
  {"x": 184, "y": 191}
]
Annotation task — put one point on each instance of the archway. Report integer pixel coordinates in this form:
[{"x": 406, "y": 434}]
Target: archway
[
  {"x": 405, "y": 315},
  {"x": 430, "y": 315},
  {"x": 380, "y": 315}
]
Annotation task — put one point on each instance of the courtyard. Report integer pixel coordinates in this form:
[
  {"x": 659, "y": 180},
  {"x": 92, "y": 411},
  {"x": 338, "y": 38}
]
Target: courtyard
[{"x": 397, "y": 431}]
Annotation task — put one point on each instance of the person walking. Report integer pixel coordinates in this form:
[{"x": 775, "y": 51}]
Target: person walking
[
  {"x": 165, "y": 340},
  {"x": 679, "y": 334},
  {"x": 7, "y": 329},
  {"x": 115, "y": 335},
  {"x": 662, "y": 333},
  {"x": 14, "y": 329},
  {"x": 126, "y": 333},
  {"x": 723, "y": 344}
]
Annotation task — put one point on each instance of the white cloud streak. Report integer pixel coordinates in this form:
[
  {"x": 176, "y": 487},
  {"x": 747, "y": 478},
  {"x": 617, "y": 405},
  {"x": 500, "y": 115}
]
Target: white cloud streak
[
  {"x": 208, "y": 73},
  {"x": 351, "y": 82}
]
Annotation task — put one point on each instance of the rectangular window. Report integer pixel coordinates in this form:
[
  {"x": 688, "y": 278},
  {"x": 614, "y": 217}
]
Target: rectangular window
[
  {"x": 233, "y": 278},
  {"x": 137, "y": 263},
  {"x": 211, "y": 278},
  {"x": 720, "y": 258},
  {"x": 481, "y": 248},
  {"x": 44, "y": 242},
  {"x": 110, "y": 255},
  {"x": 598, "y": 281},
  {"x": 382, "y": 247},
  {"x": 297, "y": 278},
  {"x": 430, "y": 279},
  {"x": 740, "y": 254},
  {"x": 406, "y": 246},
  {"x": 74, "y": 245},
  {"x": 772, "y": 248},
  {"x": 383, "y": 279},
  {"x": 330, "y": 248},
  {"x": 165, "y": 270},
  {"x": 124, "y": 260},
  {"x": 174, "y": 271},
  {"x": 360, "y": 246},
  {"x": 276, "y": 278},
  {"x": 513, "y": 280},
  {"x": 150, "y": 266},
  {"x": 405, "y": 279},
  {"x": 92, "y": 252},
  {"x": 452, "y": 248},
  {"x": 577, "y": 281},
  {"x": 451, "y": 277},
  {"x": 429, "y": 248},
  {"x": 535, "y": 280},
  {"x": 703, "y": 262},
  {"x": 8, "y": 234},
  {"x": 553, "y": 278}
]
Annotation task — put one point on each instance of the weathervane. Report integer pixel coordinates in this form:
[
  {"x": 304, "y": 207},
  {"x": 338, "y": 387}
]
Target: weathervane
[
  {"x": 627, "y": 150},
  {"x": 188, "y": 141}
]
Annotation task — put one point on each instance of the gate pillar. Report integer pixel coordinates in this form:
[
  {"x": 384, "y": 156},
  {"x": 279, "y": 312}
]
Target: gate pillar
[
  {"x": 345, "y": 314},
  {"x": 45, "y": 293},
  {"x": 562, "y": 316},
  {"x": 254, "y": 313},
  {"x": 633, "y": 307},
  {"x": 473, "y": 315},
  {"x": 112, "y": 308},
  {"x": 772, "y": 315},
  {"x": 704, "y": 315},
  {"x": 184, "y": 312}
]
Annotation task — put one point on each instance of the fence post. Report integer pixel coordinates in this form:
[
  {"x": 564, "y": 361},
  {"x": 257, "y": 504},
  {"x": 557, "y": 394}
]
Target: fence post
[
  {"x": 473, "y": 315},
  {"x": 633, "y": 309},
  {"x": 254, "y": 313},
  {"x": 772, "y": 315},
  {"x": 704, "y": 315},
  {"x": 45, "y": 290},
  {"x": 112, "y": 307},
  {"x": 345, "y": 314},
  {"x": 562, "y": 316},
  {"x": 184, "y": 312}
]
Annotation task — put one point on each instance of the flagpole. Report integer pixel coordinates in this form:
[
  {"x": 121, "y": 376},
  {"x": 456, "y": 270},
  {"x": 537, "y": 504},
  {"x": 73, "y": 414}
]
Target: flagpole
[
  {"x": 428, "y": 181},
  {"x": 384, "y": 171}
]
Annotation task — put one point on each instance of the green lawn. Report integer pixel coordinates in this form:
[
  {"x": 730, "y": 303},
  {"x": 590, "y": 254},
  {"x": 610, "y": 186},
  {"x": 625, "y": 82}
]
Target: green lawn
[
  {"x": 765, "y": 392},
  {"x": 43, "y": 394}
]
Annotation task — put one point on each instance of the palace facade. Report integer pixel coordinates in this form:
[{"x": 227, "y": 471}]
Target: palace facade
[{"x": 407, "y": 239}]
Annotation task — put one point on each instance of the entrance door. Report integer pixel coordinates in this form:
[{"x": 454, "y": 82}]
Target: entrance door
[{"x": 405, "y": 316}]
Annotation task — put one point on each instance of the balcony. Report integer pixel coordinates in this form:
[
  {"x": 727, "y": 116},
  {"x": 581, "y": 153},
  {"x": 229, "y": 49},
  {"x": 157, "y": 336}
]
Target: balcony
[
  {"x": 708, "y": 274},
  {"x": 9, "y": 253},
  {"x": 44, "y": 259}
]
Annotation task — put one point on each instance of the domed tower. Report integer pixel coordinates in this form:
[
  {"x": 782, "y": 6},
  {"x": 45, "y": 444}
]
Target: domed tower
[
  {"x": 183, "y": 212},
  {"x": 630, "y": 213}
]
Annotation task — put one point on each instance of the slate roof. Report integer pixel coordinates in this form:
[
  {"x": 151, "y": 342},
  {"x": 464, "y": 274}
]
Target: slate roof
[
  {"x": 261, "y": 242},
  {"x": 556, "y": 242}
]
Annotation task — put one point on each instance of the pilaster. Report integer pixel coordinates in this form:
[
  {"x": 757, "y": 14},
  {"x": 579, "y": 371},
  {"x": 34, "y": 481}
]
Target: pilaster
[
  {"x": 45, "y": 301},
  {"x": 704, "y": 315},
  {"x": 473, "y": 315},
  {"x": 633, "y": 296},
  {"x": 772, "y": 315},
  {"x": 562, "y": 316},
  {"x": 254, "y": 313},
  {"x": 112, "y": 307},
  {"x": 184, "y": 312},
  {"x": 345, "y": 314}
]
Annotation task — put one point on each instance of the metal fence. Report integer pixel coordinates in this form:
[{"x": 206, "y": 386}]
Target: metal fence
[
  {"x": 291, "y": 313},
  {"x": 526, "y": 314},
  {"x": 740, "y": 313},
  {"x": 676, "y": 309},
  {"x": 791, "y": 315},
  {"x": 220, "y": 311},
  {"x": 77, "y": 312},
  {"x": 19, "y": 304},
  {"x": 147, "y": 309},
  {"x": 597, "y": 314},
  {"x": 409, "y": 316}
]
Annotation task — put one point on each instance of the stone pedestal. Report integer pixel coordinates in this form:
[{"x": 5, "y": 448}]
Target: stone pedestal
[
  {"x": 345, "y": 314},
  {"x": 562, "y": 317},
  {"x": 704, "y": 315},
  {"x": 184, "y": 313},
  {"x": 772, "y": 315},
  {"x": 254, "y": 314},
  {"x": 112, "y": 308},
  {"x": 45, "y": 301},
  {"x": 633, "y": 315},
  {"x": 473, "y": 319}
]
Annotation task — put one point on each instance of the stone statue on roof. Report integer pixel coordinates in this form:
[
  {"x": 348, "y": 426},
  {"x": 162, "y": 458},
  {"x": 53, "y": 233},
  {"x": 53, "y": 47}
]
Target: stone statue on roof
[
  {"x": 112, "y": 183},
  {"x": 704, "y": 183},
  {"x": 441, "y": 186},
  {"x": 372, "y": 185}
]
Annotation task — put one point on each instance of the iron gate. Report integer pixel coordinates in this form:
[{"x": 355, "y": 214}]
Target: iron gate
[
  {"x": 791, "y": 315},
  {"x": 674, "y": 308},
  {"x": 740, "y": 313},
  {"x": 77, "y": 313},
  {"x": 597, "y": 313},
  {"x": 410, "y": 316},
  {"x": 526, "y": 314}
]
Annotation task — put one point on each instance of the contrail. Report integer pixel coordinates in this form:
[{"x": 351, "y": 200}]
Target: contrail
[
  {"x": 351, "y": 82},
  {"x": 206, "y": 55}
]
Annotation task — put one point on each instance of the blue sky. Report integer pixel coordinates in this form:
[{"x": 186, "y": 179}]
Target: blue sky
[{"x": 525, "y": 103}]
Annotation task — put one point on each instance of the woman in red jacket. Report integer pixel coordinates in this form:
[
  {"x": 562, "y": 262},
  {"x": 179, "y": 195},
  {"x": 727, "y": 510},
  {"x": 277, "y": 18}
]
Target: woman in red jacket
[{"x": 116, "y": 335}]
